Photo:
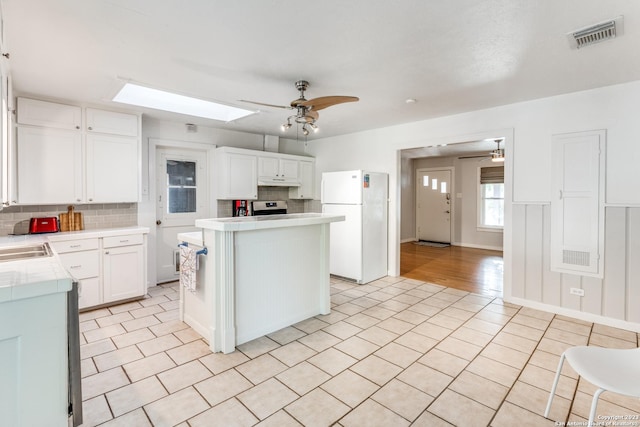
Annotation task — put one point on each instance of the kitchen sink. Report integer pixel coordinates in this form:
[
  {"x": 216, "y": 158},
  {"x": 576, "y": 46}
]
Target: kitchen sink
[{"x": 17, "y": 253}]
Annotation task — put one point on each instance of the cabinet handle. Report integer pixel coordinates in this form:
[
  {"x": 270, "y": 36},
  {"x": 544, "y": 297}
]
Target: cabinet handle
[
  {"x": 124, "y": 241},
  {"x": 78, "y": 200},
  {"x": 75, "y": 246},
  {"x": 90, "y": 128},
  {"x": 106, "y": 252},
  {"x": 77, "y": 127},
  {"x": 91, "y": 200},
  {"x": 76, "y": 266}
]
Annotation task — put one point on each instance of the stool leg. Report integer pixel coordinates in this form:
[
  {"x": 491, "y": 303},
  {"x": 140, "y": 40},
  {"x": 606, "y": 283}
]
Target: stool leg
[
  {"x": 553, "y": 388},
  {"x": 594, "y": 404}
]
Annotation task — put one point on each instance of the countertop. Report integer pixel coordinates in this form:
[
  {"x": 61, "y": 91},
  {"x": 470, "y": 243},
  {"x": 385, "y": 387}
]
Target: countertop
[
  {"x": 44, "y": 275},
  {"x": 90, "y": 234},
  {"x": 268, "y": 221},
  {"x": 31, "y": 277}
]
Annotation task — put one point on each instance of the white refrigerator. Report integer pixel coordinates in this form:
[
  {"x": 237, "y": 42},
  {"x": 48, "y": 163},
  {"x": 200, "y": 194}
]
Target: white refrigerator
[{"x": 358, "y": 245}]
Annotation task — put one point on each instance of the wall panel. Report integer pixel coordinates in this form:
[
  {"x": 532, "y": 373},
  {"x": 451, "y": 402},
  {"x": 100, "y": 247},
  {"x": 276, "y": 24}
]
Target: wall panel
[
  {"x": 519, "y": 254},
  {"x": 615, "y": 296},
  {"x": 633, "y": 262},
  {"x": 534, "y": 252},
  {"x": 615, "y": 263},
  {"x": 551, "y": 286}
]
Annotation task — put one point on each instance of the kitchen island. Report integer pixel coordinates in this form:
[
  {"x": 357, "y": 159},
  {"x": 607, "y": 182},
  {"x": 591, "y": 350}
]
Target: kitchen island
[{"x": 261, "y": 274}]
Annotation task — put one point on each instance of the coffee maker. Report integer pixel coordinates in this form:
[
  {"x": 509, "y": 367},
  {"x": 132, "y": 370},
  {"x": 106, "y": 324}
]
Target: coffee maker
[{"x": 241, "y": 208}]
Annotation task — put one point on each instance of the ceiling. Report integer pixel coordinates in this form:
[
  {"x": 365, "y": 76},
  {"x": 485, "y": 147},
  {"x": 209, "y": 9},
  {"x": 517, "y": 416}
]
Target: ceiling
[{"x": 452, "y": 57}]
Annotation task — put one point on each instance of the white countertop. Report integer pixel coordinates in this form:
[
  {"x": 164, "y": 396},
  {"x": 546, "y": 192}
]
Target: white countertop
[
  {"x": 44, "y": 275},
  {"x": 30, "y": 277},
  {"x": 90, "y": 234},
  {"x": 268, "y": 221}
]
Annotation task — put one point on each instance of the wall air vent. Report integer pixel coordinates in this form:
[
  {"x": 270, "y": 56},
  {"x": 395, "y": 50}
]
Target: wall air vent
[{"x": 596, "y": 33}]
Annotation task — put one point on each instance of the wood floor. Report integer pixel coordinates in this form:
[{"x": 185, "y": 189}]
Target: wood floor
[{"x": 468, "y": 269}]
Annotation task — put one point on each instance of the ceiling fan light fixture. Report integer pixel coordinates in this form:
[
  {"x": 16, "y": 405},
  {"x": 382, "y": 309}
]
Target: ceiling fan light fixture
[{"x": 497, "y": 155}]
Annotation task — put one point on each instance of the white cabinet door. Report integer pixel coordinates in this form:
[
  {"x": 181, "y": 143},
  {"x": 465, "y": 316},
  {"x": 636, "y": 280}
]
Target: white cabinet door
[
  {"x": 49, "y": 166},
  {"x": 577, "y": 203},
  {"x": 289, "y": 169},
  {"x": 305, "y": 177},
  {"x": 111, "y": 122},
  {"x": 123, "y": 275},
  {"x": 89, "y": 294},
  {"x": 112, "y": 169},
  {"x": 268, "y": 167},
  {"x": 277, "y": 171},
  {"x": 237, "y": 177},
  {"x": 48, "y": 114}
]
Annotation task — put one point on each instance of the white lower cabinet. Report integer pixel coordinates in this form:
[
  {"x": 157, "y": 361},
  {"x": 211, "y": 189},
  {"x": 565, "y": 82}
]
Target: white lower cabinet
[
  {"x": 123, "y": 269},
  {"x": 108, "y": 269},
  {"x": 84, "y": 266}
]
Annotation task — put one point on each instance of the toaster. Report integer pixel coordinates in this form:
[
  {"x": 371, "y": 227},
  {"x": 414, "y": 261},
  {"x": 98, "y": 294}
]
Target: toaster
[{"x": 47, "y": 224}]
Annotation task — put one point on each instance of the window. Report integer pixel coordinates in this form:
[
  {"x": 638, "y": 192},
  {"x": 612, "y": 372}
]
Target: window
[
  {"x": 491, "y": 198},
  {"x": 181, "y": 186}
]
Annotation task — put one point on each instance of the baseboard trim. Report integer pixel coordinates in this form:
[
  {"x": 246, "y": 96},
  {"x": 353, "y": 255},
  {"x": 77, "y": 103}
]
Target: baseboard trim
[
  {"x": 581, "y": 315},
  {"x": 473, "y": 246},
  {"x": 411, "y": 239}
]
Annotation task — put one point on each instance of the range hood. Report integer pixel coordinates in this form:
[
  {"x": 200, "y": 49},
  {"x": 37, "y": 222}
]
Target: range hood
[{"x": 277, "y": 182}]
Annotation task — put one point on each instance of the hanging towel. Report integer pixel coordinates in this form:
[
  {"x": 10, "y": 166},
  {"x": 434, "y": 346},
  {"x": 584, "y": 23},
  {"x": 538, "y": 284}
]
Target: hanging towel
[{"x": 188, "y": 267}]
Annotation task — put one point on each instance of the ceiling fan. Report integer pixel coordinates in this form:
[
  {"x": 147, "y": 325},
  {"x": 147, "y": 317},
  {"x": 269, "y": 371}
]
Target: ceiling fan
[
  {"x": 307, "y": 109},
  {"x": 496, "y": 155}
]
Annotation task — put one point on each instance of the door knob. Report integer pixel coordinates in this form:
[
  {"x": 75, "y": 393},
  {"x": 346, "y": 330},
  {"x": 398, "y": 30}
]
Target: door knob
[
  {"x": 447, "y": 211},
  {"x": 158, "y": 222}
]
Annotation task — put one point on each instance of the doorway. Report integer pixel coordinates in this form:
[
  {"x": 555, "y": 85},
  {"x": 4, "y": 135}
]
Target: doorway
[
  {"x": 433, "y": 205},
  {"x": 181, "y": 198},
  {"x": 475, "y": 258}
]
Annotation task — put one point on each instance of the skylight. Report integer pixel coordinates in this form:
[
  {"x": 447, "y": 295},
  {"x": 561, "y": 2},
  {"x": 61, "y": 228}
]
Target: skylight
[{"x": 160, "y": 100}]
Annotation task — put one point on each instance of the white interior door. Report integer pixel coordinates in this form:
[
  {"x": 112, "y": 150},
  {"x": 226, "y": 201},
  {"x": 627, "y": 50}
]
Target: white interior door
[
  {"x": 181, "y": 198},
  {"x": 433, "y": 205}
]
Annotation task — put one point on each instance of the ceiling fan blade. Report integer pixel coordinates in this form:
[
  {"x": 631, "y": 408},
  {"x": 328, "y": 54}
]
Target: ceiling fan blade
[
  {"x": 313, "y": 114},
  {"x": 476, "y": 157},
  {"x": 327, "y": 101},
  {"x": 266, "y": 105}
]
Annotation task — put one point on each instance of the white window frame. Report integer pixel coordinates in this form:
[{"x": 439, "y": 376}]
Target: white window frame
[{"x": 480, "y": 207}]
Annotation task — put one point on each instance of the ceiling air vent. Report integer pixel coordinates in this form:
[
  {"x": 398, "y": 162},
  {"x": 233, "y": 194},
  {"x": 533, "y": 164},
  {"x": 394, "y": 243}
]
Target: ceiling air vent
[{"x": 596, "y": 33}]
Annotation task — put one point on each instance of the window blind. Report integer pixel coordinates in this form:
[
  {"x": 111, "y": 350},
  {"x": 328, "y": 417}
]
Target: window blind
[{"x": 492, "y": 175}]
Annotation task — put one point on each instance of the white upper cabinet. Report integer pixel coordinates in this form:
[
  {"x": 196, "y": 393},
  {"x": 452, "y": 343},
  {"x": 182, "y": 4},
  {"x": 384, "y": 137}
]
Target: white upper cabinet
[
  {"x": 577, "y": 203},
  {"x": 61, "y": 160},
  {"x": 305, "y": 177},
  {"x": 277, "y": 171},
  {"x": 236, "y": 175},
  {"x": 112, "y": 169},
  {"x": 49, "y": 114},
  {"x": 111, "y": 122},
  {"x": 239, "y": 172},
  {"x": 49, "y": 166}
]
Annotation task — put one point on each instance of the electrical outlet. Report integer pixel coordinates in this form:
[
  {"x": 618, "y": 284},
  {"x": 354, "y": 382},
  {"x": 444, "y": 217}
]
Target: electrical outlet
[{"x": 576, "y": 291}]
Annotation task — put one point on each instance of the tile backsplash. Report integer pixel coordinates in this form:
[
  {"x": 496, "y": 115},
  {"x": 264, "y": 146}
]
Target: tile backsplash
[
  {"x": 15, "y": 219},
  {"x": 225, "y": 207}
]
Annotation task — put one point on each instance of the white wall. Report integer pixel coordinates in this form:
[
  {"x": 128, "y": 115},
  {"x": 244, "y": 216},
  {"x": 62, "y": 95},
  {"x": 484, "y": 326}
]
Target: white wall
[{"x": 529, "y": 127}]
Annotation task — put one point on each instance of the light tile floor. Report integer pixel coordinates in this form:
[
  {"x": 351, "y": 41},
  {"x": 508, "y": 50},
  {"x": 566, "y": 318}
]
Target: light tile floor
[{"x": 394, "y": 352}]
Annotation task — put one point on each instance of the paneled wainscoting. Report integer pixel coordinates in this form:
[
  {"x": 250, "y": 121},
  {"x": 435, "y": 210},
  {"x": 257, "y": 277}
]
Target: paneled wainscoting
[{"x": 613, "y": 296}]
